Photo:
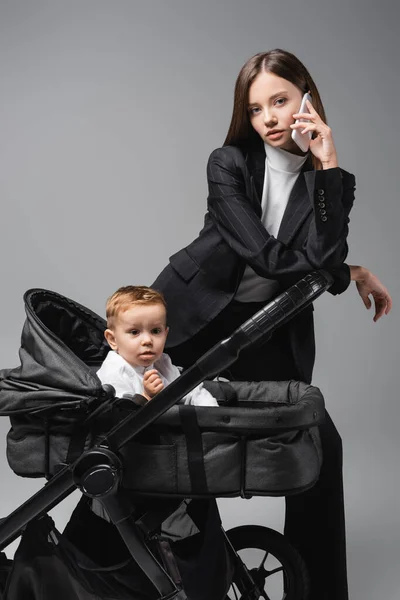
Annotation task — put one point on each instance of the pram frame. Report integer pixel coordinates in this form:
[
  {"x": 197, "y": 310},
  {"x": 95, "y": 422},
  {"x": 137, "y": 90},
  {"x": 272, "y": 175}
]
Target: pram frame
[{"x": 218, "y": 358}]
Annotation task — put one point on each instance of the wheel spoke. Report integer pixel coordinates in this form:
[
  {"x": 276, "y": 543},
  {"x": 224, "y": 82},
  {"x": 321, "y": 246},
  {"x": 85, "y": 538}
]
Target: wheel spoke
[
  {"x": 277, "y": 570},
  {"x": 263, "y": 561}
]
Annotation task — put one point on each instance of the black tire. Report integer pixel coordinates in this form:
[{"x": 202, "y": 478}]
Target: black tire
[{"x": 295, "y": 581}]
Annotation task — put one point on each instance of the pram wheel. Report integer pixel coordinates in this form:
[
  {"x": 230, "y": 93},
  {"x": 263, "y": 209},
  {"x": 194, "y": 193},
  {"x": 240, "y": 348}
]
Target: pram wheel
[{"x": 273, "y": 563}]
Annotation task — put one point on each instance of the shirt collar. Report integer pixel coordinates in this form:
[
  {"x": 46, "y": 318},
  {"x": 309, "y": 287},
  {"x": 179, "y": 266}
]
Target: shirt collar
[{"x": 118, "y": 359}]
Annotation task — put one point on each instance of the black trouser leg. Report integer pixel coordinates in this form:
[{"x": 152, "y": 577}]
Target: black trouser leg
[{"x": 315, "y": 522}]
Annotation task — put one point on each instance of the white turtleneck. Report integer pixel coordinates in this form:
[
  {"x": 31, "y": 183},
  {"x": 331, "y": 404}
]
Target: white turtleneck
[{"x": 281, "y": 171}]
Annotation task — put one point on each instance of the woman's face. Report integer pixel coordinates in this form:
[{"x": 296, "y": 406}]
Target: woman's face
[{"x": 272, "y": 103}]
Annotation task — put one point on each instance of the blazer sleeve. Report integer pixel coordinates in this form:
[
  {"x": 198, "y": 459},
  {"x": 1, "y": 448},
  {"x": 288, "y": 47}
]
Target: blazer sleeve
[
  {"x": 341, "y": 279},
  {"x": 241, "y": 227}
]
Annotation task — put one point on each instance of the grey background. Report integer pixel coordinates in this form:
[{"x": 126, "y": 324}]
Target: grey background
[{"x": 108, "y": 112}]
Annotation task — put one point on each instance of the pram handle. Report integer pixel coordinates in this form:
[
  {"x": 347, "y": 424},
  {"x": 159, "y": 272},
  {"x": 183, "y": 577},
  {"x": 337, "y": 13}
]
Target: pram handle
[{"x": 277, "y": 312}]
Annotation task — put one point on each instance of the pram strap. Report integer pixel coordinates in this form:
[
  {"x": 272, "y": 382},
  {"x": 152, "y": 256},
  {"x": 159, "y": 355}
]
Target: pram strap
[{"x": 194, "y": 446}]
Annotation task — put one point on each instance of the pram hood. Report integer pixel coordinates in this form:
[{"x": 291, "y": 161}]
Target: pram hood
[
  {"x": 48, "y": 395},
  {"x": 61, "y": 342}
]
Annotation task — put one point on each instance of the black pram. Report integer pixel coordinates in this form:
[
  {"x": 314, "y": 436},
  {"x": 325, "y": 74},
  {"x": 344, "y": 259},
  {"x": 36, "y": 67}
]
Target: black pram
[{"x": 149, "y": 463}]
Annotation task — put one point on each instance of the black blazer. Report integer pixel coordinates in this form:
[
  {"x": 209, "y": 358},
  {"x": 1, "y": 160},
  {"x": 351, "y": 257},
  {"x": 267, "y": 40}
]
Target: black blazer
[{"x": 202, "y": 278}]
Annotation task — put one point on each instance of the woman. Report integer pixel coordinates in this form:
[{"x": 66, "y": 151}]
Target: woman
[{"x": 274, "y": 214}]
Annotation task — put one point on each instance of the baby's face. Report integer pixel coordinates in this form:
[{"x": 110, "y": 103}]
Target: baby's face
[{"x": 139, "y": 334}]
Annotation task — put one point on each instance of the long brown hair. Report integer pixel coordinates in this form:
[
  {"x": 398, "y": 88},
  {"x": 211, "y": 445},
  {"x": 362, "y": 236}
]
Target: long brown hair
[{"x": 283, "y": 64}]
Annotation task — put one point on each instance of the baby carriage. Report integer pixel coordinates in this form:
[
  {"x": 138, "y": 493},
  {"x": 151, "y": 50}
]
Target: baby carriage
[{"x": 155, "y": 468}]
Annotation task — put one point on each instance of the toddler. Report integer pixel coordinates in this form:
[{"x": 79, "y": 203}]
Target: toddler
[{"x": 136, "y": 333}]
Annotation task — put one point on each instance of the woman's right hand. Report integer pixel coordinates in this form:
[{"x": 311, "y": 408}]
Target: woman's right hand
[
  {"x": 369, "y": 285},
  {"x": 321, "y": 145}
]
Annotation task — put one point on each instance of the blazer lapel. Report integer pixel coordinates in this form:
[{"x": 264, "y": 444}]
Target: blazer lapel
[
  {"x": 297, "y": 210},
  {"x": 256, "y": 165}
]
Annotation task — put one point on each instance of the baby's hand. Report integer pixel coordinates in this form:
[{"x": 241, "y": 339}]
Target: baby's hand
[{"x": 152, "y": 383}]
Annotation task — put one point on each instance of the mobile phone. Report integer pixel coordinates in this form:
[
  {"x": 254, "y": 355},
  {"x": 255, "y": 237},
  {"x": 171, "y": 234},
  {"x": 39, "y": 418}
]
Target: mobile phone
[{"x": 302, "y": 140}]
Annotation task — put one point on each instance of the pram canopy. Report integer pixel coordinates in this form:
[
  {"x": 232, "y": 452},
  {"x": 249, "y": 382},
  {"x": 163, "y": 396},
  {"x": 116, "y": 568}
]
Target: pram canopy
[{"x": 262, "y": 439}]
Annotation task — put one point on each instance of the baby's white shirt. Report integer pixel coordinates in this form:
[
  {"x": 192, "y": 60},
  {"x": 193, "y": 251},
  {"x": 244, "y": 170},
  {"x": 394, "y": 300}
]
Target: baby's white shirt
[{"x": 127, "y": 379}]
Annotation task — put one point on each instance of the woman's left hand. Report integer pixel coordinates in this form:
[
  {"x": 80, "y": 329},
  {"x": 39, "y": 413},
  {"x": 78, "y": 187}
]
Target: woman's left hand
[
  {"x": 369, "y": 285},
  {"x": 321, "y": 145}
]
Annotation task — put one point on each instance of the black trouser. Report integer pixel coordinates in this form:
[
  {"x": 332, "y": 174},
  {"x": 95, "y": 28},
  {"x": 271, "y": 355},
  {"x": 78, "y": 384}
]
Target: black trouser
[{"x": 314, "y": 519}]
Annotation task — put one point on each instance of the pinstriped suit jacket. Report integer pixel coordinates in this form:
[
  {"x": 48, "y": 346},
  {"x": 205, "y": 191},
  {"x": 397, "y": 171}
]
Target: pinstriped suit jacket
[{"x": 202, "y": 278}]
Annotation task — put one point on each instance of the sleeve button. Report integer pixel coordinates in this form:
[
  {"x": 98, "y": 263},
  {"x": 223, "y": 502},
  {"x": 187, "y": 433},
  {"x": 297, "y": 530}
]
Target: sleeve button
[
  {"x": 323, "y": 218},
  {"x": 321, "y": 192},
  {"x": 321, "y": 204}
]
